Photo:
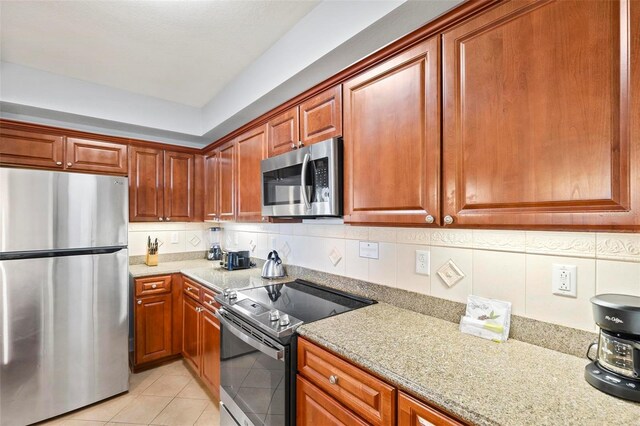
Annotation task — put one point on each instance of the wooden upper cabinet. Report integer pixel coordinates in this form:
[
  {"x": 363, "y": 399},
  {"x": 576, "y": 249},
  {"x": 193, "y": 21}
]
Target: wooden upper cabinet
[
  {"x": 153, "y": 328},
  {"x": 283, "y": 132},
  {"x": 538, "y": 116},
  {"x": 392, "y": 140},
  {"x": 251, "y": 147},
  {"x": 321, "y": 116},
  {"x": 211, "y": 182},
  {"x": 95, "y": 156},
  {"x": 412, "y": 412},
  {"x": 146, "y": 184},
  {"x": 179, "y": 186},
  {"x": 227, "y": 181},
  {"x": 23, "y": 148}
]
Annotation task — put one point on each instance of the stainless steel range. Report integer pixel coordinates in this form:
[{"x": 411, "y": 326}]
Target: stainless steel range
[{"x": 258, "y": 347}]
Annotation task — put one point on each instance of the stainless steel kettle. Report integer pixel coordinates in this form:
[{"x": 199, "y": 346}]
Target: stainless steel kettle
[{"x": 273, "y": 267}]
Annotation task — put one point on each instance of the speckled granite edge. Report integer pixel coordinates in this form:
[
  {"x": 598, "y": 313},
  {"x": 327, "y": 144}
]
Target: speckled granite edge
[
  {"x": 551, "y": 336},
  {"x": 170, "y": 257}
]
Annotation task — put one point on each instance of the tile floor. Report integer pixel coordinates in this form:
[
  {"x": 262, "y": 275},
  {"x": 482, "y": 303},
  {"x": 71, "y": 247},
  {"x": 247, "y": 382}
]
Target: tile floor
[{"x": 167, "y": 395}]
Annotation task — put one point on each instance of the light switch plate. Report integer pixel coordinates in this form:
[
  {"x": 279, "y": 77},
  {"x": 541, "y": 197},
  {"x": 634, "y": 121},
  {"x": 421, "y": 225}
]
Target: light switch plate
[{"x": 369, "y": 250}]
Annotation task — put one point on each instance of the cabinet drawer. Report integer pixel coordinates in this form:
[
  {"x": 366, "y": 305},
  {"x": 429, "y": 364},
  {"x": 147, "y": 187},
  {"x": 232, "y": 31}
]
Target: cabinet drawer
[
  {"x": 412, "y": 412},
  {"x": 208, "y": 300},
  {"x": 315, "y": 407},
  {"x": 191, "y": 288},
  {"x": 369, "y": 397},
  {"x": 153, "y": 285}
]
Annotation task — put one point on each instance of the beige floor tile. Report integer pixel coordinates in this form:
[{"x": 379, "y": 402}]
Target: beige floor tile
[
  {"x": 175, "y": 368},
  {"x": 124, "y": 424},
  {"x": 142, "y": 410},
  {"x": 74, "y": 422},
  {"x": 141, "y": 381},
  {"x": 210, "y": 416},
  {"x": 167, "y": 386},
  {"x": 194, "y": 389},
  {"x": 104, "y": 411},
  {"x": 181, "y": 412}
]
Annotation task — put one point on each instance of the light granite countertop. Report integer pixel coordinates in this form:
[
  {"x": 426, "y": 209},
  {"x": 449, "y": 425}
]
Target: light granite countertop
[
  {"x": 208, "y": 273},
  {"x": 482, "y": 382}
]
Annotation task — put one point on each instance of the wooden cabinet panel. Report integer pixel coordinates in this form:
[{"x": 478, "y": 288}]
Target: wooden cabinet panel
[
  {"x": 412, "y": 412},
  {"x": 149, "y": 286},
  {"x": 208, "y": 301},
  {"x": 191, "y": 288},
  {"x": 31, "y": 149},
  {"x": 210, "y": 351},
  {"x": 191, "y": 332},
  {"x": 392, "y": 139},
  {"x": 96, "y": 156},
  {"x": 250, "y": 148},
  {"x": 536, "y": 130},
  {"x": 227, "y": 181},
  {"x": 321, "y": 116},
  {"x": 179, "y": 186},
  {"x": 283, "y": 132},
  {"x": 314, "y": 407},
  {"x": 153, "y": 328},
  {"x": 146, "y": 183},
  {"x": 369, "y": 397},
  {"x": 211, "y": 184}
]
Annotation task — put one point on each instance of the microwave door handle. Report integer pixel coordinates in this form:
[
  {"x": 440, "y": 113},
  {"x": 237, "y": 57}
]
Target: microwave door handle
[{"x": 303, "y": 181}]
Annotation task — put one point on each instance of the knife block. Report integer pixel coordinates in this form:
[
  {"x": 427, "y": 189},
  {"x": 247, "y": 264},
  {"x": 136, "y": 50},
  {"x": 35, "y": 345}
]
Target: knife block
[{"x": 151, "y": 259}]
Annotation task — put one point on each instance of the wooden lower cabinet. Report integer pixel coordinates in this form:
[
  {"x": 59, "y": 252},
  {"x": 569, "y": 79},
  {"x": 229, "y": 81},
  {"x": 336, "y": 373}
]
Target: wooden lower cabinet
[
  {"x": 210, "y": 351},
  {"x": 314, "y": 407},
  {"x": 412, "y": 412},
  {"x": 191, "y": 332}
]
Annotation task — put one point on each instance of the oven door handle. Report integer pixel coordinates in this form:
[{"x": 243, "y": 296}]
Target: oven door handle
[
  {"x": 303, "y": 181},
  {"x": 277, "y": 354}
]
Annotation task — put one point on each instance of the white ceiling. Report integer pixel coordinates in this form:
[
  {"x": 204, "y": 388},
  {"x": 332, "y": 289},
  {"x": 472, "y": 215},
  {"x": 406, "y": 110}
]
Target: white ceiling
[{"x": 180, "y": 51}]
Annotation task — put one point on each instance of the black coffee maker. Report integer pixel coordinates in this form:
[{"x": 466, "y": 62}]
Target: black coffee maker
[{"x": 616, "y": 368}]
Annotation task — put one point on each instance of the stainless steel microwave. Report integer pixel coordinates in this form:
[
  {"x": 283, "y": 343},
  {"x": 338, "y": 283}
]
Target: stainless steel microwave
[{"x": 306, "y": 182}]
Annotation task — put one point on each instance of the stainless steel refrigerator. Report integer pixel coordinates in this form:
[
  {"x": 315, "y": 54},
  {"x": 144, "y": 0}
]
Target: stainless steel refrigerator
[{"x": 63, "y": 292}]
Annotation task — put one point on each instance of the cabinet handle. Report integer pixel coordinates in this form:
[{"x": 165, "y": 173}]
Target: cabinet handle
[
  {"x": 168, "y": 219},
  {"x": 333, "y": 379},
  {"x": 264, "y": 219},
  {"x": 189, "y": 288},
  {"x": 448, "y": 220},
  {"x": 300, "y": 144},
  {"x": 423, "y": 422},
  {"x": 139, "y": 302},
  {"x": 429, "y": 219},
  {"x": 69, "y": 164},
  {"x": 160, "y": 219},
  {"x": 58, "y": 163},
  {"x": 154, "y": 285},
  {"x": 293, "y": 146}
]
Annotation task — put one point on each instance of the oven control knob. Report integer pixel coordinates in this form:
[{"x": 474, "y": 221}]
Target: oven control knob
[
  {"x": 284, "y": 320},
  {"x": 274, "y": 316},
  {"x": 233, "y": 295}
]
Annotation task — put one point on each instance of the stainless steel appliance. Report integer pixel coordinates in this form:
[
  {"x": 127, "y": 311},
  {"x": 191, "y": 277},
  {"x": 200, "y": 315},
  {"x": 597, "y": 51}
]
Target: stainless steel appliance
[
  {"x": 273, "y": 267},
  {"x": 258, "y": 347},
  {"x": 63, "y": 292},
  {"x": 616, "y": 368},
  {"x": 306, "y": 182},
  {"x": 233, "y": 260}
]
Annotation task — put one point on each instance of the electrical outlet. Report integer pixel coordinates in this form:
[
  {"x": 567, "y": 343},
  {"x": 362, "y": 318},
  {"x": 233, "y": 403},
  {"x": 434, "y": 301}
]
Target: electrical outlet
[
  {"x": 174, "y": 238},
  {"x": 423, "y": 262},
  {"x": 563, "y": 280}
]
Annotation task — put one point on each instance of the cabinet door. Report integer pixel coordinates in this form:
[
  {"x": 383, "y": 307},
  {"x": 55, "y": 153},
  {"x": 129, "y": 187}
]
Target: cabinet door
[
  {"x": 210, "y": 346},
  {"x": 18, "y": 148},
  {"x": 321, "y": 116},
  {"x": 283, "y": 133},
  {"x": 191, "y": 332},
  {"x": 146, "y": 185},
  {"x": 537, "y": 128},
  {"x": 211, "y": 179},
  {"x": 227, "y": 181},
  {"x": 412, "y": 412},
  {"x": 152, "y": 328},
  {"x": 392, "y": 140},
  {"x": 251, "y": 148},
  {"x": 314, "y": 407},
  {"x": 179, "y": 186},
  {"x": 95, "y": 156}
]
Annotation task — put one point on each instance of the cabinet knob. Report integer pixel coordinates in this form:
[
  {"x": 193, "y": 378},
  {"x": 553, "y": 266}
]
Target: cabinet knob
[
  {"x": 69, "y": 164},
  {"x": 154, "y": 285},
  {"x": 189, "y": 288},
  {"x": 448, "y": 220},
  {"x": 333, "y": 379},
  {"x": 160, "y": 219},
  {"x": 293, "y": 146},
  {"x": 264, "y": 219},
  {"x": 167, "y": 219},
  {"x": 300, "y": 144},
  {"x": 58, "y": 163},
  {"x": 139, "y": 302},
  {"x": 429, "y": 219}
]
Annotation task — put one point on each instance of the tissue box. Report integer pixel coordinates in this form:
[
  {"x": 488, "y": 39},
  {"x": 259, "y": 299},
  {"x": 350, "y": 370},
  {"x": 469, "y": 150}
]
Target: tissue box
[{"x": 487, "y": 318}]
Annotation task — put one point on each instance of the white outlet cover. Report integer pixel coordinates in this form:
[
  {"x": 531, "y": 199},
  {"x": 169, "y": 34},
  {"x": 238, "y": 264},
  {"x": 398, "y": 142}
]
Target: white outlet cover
[
  {"x": 369, "y": 250},
  {"x": 450, "y": 274},
  {"x": 564, "y": 280},
  {"x": 175, "y": 239},
  {"x": 423, "y": 262},
  {"x": 335, "y": 257}
]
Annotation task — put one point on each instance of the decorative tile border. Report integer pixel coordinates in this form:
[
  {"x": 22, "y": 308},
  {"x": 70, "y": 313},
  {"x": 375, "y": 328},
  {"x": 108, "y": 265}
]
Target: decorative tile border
[
  {"x": 572, "y": 244},
  {"x": 356, "y": 232},
  {"x": 618, "y": 247},
  {"x": 414, "y": 236},
  {"x": 452, "y": 238},
  {"x": 512, "y": 241},
  {"x": 383, "y": 235}
]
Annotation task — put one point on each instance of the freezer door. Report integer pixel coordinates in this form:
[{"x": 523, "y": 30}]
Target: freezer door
[
  {"x": 63, "y": 334},
  {"x": 44, "y": 210}
]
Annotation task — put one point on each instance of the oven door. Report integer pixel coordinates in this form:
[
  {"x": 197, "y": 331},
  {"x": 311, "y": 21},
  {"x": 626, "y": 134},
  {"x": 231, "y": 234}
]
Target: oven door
[
  {"x": 304, "y": 182},
  {"x": 254, "y": 375}
]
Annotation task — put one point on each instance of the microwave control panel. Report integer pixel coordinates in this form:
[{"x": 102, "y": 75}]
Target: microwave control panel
[{"x": 322, "y": 173}]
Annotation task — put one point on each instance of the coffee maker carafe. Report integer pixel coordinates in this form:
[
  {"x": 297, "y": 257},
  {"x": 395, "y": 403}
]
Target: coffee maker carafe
[{"x": 616, "y": 368}]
